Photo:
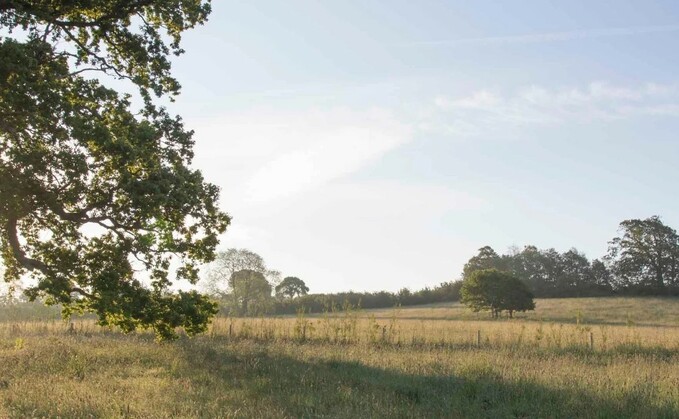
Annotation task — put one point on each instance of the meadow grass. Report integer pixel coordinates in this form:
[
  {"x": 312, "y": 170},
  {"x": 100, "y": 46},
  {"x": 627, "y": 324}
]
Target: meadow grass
[
  {"x": 391, "y": 363},
  {"x": 650, "y": 311}
]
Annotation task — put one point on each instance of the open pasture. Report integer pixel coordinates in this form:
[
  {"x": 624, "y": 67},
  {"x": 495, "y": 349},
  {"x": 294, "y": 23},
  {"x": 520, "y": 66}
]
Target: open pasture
[
  {"x": 408, "y": 362},
  {"x": 643, "y": 311}
]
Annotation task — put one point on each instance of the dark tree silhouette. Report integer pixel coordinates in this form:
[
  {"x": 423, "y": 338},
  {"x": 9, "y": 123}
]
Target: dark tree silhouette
[
  {"x": 291, "y": 286},
  {"x": 494, "y": 290}
]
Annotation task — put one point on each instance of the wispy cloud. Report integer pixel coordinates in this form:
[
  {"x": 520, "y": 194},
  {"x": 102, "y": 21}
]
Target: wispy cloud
[
  {"x": 273, "y": 154},
  {"x": 548, "y": 36},
  {"x": 484, "y": 110},
  {"x": 337, "y": 145},
  {"x": 265, "y": 155}
]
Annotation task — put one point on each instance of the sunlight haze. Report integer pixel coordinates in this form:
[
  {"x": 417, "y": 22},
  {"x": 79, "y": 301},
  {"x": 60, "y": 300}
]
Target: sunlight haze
[{"x": 372, "y": 145}]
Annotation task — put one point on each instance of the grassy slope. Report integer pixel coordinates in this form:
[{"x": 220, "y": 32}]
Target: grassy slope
[
  {"x": 47, "y": 373},
  {"x": 650, "y": 311}
]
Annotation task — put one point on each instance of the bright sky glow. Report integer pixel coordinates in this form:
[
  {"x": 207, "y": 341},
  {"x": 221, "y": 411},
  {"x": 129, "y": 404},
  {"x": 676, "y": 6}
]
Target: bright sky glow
[{"x": 373, "y": 145}]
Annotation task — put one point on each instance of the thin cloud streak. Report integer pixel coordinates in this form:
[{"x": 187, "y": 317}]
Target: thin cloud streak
[
  {"x": 271, "y": 155},
  {"x": 487, "y": 112},
  {"x": 548, "y": 36}
]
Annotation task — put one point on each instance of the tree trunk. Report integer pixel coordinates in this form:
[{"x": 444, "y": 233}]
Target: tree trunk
[{"x": 659, "y": 277}]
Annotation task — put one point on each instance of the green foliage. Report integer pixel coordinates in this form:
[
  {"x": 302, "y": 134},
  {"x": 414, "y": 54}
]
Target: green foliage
[
  {"x": 487, "y": 258},
  {"x": 646, "y": 255},
  {"x": 481, "y": 290},
  {"x": 643, "y": 260},
  {"x": 291, "y": 287},
  {"x": 547, "y": 272},
  {"x": 242, "y": 282},
  {"x": 490, "y": 289},
  {"x": 515, "y": 296},
  {"x": 319, "y": 303},
  {"x": 228, "y": 262},
  {"x": 127, "y": 39},
  {"x": 250, "y": 292},
  {"x": 91, "y": 192}
]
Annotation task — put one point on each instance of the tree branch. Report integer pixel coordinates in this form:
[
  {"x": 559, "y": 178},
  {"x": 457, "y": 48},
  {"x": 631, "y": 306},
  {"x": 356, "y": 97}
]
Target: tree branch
[
  {"x": 52, "y": 15},
  {"x": 13, "y": 240}
]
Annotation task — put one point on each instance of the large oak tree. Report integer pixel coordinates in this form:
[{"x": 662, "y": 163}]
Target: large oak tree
[
  {"x": 646, "y": 254},
  {"x": 98, "y": 200}
]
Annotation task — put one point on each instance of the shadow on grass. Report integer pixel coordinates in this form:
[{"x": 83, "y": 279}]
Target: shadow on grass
[
  {"x": 272, "y": 385},
  {"x": 582, "y": 351}
]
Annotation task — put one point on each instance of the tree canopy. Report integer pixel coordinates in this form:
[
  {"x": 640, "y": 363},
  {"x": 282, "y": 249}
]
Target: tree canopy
[
  {"x": 127, "y": 39},
  {"x": 291, "y": 286},
  {"x": 232, "y": 260},
  {"x": 494, "y": 290},
  {"x": 647, "y": 254},
  {"x": 642, "y": 259},
  {"x": 487, "y": 258},
  {"x": 250, "y": 291},
  {"x": 515, "y": 296},
  {"x": 99, "y": 203},
  {"x": 546, "y": 272}
]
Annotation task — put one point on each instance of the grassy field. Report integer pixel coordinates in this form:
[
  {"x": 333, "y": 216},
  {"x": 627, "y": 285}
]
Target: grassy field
[
  {"x": 650, "y": 311},
  {"x": 410, "y": 362}
]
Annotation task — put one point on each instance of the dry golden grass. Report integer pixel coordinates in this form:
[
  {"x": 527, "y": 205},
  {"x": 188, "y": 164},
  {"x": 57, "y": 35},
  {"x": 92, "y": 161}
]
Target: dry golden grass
[
  {"x": 358, "y": 364},
  {"x": 650, "y": 311},
  {"x": 451, "y": 333}
]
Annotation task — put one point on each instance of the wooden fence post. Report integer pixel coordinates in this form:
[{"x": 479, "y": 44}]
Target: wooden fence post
[
  {"x": 478, "y": 338},
  {"x": 591, "y": 340}
]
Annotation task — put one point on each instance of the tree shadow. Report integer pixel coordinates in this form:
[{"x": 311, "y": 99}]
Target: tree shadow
[{"x": 273, "y": 385}]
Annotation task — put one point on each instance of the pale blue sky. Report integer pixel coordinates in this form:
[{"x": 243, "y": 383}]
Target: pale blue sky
[{"x": 374, "y": 145}]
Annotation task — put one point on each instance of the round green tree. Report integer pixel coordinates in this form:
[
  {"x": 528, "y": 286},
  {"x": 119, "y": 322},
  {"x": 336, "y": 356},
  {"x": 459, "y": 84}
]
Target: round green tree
[
  {"x": 250, "y": 291},
  {"x": 646, "y": 255},
  {"x": 515, "y": 296},
  {"x": 496, "y": 291},
  {"x": 291, "y": 287}
]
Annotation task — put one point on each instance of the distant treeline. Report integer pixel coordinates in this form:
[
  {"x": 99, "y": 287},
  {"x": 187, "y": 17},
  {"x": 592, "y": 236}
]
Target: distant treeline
[
  {"x": 642, "y": 260},
  {"x": 548, "y": 273},
  {"x": 245, "y": 286},
  {"x": 319, "y": 303}
]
